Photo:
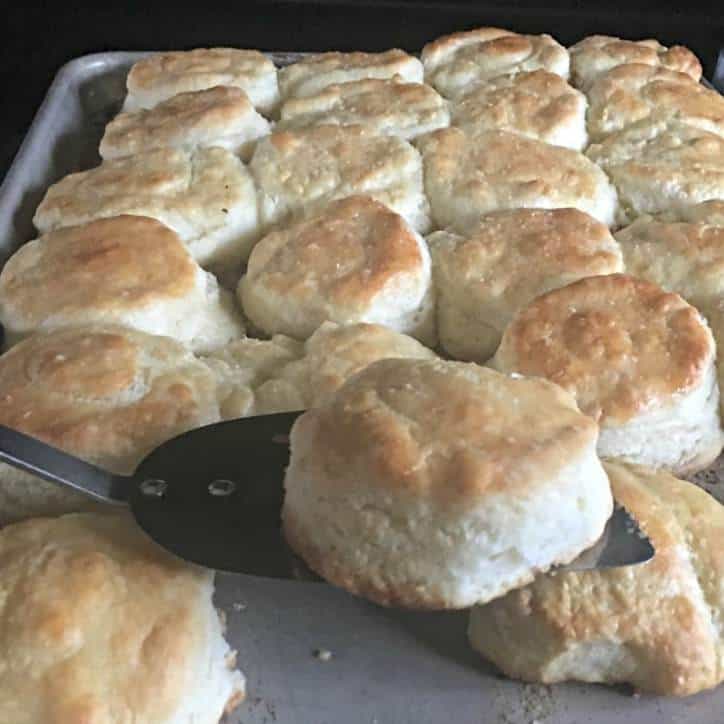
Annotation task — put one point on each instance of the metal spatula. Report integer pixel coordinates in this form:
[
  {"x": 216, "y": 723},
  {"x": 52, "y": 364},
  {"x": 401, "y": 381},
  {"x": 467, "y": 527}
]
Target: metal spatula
[{"x": 213, "y": 496}]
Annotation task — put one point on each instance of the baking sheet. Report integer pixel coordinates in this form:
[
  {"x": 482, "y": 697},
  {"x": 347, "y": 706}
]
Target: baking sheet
[{"x": 386, "y": 666}]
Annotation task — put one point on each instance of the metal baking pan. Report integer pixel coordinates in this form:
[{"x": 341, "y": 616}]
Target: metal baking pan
[{"x": 386, "y": 666}]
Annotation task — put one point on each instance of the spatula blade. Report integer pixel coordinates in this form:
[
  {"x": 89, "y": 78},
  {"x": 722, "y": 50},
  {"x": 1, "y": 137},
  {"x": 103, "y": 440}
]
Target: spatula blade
[
  {"x": 213, "y": 496},
  {"x": 622, "y": 543}
]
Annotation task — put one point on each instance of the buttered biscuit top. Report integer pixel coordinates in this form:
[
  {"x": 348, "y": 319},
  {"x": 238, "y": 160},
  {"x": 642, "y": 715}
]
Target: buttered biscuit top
[
  {"x": 619, "y": 344},
  {"x": 104, "y": 393},
  {"x": 315, "y": 72},
  {"x": 355, "y": 261},
  {"x": 298, "y": 171},
  {"x": 164, "y": 75},
  {"x": 130, "y": 270},
  {"x": 467, "y": 176},
  {"x": 597, "y": 54},
  {"x": 454, "y": 62}
]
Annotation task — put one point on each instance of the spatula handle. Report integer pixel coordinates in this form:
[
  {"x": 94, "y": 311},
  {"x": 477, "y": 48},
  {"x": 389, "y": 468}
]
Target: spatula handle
[{"x": 36, "y": 457}]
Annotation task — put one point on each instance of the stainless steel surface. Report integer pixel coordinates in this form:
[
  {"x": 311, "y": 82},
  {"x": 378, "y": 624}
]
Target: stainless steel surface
[
  {"x": 40, "y": 459},
  {"x": 386, "y": 667}
]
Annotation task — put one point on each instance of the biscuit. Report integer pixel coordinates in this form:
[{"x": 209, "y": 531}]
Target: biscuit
[
  {"x": 315, "y": 72},
  {"x": 634, "y": 92},
  {"x": 597, "y": 54},
  {"x": 101, "y": 625},
  {"x": 654, "y": 625},
  {"x": 661, "y": 166},
  {"x": 261, "y": 377},
  {"x": 483, "y": 278},
  {"x": 434, "y": 485},
  {"x": 161, "y": 76},
  {"x": 246, "y": 365},
  {"x": 299, "y": 171},
  {"x": 638, "y": 360},
  {"x": 127, "y": 270},
  {"x": 106, "y": 394},
  {"x": 709, "y": 212},
  {"x": 355, "y": 261},
  {"x": 681, "y": 257},
  {"x": 206, "y": 196},
  {"x": 467, "y": 177},
  {"x": 221, "y": 116},
  {"x": 455, "y": 62},
  {"x": 386, "y": 107},
  {"x": 537, "y": 104}
]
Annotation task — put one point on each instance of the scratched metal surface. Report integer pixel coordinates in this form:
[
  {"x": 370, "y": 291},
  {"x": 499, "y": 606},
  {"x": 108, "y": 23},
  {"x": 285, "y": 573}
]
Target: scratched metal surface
[{"x": 387, "y": 666}]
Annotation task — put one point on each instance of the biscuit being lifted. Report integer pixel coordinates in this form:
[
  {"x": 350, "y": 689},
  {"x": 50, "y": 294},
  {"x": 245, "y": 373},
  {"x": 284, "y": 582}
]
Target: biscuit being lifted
[
  {"x": 127, "y": 270},
  {"x": 467, "y": 176},
  {"x": 355, "y": 261},
  {"x": 484, "y": 277},
  {"x": 436, "y": 485},
  {"x": 637, "y": 359},
  {"x": 455, "y": 62},
  {"x": 653, "y": 625},
  {"x": 102, "y": 626},
  {"x": 161, "y": 76},
  {"x": 106, "y": 394},
  {"x": 207, "y": 196}
]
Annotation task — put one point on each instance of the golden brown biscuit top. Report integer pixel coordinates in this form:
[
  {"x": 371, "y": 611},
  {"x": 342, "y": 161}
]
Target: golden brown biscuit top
[
  {"x": 635, "y": 91},
  {"x": 506, "y": 166},
  {"x": 197, "y": 69},
  {"x": 97, "y": 624},
  {"x": 687, "y": 258},
  {"x": 708, "y": 212},
  {"x": 535, "y": 102},
  {"x": 598, "y": 53},
  {"x": 454, "y": 62},
  {"x": 486, "y": 44},
  {"x": 335, "y": 353},
  {"x": 104, "y": 393},
  {"x": 380, "y": 65},
  {"x": 111, "y": 265},
  {"x": 193, "y": 189},
  {"x": 349, "y": 146},
  {"x": 366, "y": 101},
  {"x": 679, "y": 648},
  {"x": 299, "y": 171},
  {"x": 311, "y": 162},
  {"x": 661, "y": 143},
  {"x": 622, "y": 346},
  {"x": 346, "y": 254},
  {"x": 335, "y": 60},
  {"x": 511, "y": 254},
  {"x": 178, "y": 119},
  {"x": 452, "y": 432}
]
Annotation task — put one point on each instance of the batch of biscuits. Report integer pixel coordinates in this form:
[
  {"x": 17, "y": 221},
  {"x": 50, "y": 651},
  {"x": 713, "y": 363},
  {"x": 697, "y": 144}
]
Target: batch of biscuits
[{"x": 492, "y": 275}]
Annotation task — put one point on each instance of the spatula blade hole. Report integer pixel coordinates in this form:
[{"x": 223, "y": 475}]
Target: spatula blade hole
[
  {"x": 154, "y": 487},
  {"x": 221, "y": 488}
]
